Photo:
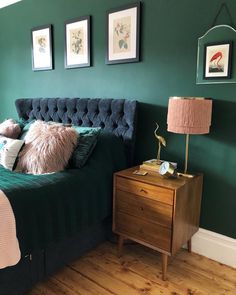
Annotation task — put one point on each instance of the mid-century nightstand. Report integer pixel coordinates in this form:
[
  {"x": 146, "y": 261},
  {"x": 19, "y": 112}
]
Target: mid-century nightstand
[{"x": 160, "y": 213}]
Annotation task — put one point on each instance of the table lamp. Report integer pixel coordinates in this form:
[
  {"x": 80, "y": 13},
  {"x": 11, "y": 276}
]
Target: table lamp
[{"x": 189, "y": 115}]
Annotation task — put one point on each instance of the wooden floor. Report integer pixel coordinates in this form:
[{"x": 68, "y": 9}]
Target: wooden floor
[{"x": 100, "y": 272}]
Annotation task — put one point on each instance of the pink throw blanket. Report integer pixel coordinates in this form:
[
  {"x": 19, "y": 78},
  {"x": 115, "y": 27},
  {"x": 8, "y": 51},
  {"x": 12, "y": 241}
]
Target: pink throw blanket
[{"x": 9, "y": 246}]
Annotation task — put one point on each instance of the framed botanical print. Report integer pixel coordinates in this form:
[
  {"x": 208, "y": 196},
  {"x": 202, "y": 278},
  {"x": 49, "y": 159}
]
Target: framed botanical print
[
  {"x": 217, "y": 60},
  {"x": 42, "y": 58},
  {"x": 77, "y": 42},
  {"x": 123, "y": 34}
]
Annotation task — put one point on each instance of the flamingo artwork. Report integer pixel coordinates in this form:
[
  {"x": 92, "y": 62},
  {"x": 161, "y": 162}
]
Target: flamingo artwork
[{"x": 214, "y": 62}]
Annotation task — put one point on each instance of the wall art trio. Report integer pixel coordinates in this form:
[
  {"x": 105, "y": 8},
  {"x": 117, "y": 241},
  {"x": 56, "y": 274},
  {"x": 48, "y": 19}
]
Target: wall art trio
[{"x": 122, "y": 40}]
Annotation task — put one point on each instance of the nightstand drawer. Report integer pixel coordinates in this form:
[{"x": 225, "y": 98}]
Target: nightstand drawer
[
  {"x": 146, "y": 190},
  {"x": 142, "y": 230},
  {"x": 148, "y": 209}
]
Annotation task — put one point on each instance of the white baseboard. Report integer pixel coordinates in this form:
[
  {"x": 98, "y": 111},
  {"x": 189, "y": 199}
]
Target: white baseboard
[{"x": 215, "y": 246}]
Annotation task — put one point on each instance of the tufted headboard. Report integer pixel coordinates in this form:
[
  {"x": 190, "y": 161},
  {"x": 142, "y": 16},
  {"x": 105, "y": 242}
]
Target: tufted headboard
[{"x": 117, "y": 116}]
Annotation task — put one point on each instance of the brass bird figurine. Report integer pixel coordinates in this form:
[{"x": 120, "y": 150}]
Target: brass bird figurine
[{"x": 161, "y": 141}]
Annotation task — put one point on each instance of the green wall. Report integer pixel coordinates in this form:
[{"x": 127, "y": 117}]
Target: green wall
[{"x": 170, "y": 30}]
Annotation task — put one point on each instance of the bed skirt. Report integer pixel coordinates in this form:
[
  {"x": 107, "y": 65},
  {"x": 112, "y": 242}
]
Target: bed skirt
[{"x": 31, "y": 269}]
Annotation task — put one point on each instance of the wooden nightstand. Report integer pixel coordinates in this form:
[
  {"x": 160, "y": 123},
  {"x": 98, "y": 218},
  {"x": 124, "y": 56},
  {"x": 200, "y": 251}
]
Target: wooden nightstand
[{"x": 160, "y": 213}]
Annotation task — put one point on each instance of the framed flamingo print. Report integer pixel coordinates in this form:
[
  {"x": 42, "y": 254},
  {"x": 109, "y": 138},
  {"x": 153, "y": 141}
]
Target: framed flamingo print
[
  {"x": 123, "y": 30},
  {"x": 217, "y": 60}
]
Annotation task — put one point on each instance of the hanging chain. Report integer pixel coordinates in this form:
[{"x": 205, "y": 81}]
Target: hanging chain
[{"x": 223, "y": 6}]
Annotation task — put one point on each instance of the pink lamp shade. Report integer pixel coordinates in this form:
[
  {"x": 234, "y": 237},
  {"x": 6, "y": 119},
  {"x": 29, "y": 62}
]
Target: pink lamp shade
[{"x": 189, "y": 115}]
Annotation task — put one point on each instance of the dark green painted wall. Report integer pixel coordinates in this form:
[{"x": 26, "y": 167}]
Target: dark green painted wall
[{"x": 170, "y": 30}]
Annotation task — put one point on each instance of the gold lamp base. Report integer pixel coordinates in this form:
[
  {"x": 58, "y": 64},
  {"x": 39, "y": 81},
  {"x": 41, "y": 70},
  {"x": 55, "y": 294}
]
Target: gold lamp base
[{"x": 185, "y": 174}]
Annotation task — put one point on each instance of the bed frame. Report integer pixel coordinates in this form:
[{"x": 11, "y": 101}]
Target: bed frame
[{"x": 117, "y": 116}]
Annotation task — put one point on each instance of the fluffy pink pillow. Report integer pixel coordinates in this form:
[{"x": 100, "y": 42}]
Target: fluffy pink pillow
[
  {"x": 10, "y": 128},
  {"x": 48, "y": 148}
]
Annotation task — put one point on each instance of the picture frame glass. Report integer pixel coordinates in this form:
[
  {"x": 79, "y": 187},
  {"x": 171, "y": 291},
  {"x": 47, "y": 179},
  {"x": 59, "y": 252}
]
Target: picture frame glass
[
  {"x": 77, "y": 51},
  {"x": 217, "y": 61},
  {"x": 41, "y": 48},
  {"x": 123, "y": 35}
]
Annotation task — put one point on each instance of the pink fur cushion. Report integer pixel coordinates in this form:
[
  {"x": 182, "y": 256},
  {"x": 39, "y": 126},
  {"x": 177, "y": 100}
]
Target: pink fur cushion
[
  {"x": 10, "y": 128},
  {"x": 48, "y": 148}
]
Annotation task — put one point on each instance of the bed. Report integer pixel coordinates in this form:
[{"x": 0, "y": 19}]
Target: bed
[{"x": 76, "y": 215}]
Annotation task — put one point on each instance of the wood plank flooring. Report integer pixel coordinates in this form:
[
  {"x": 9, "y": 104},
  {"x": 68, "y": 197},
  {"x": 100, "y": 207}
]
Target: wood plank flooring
[{"x": 138, "y": 272}]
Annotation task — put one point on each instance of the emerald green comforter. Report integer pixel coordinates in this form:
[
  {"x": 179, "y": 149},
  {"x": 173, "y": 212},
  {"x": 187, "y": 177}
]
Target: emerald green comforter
[{"x": 49, "y": 208}]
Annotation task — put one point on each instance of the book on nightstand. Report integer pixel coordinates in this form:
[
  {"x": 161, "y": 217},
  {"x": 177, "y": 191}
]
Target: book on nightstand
[{"x": 153, "y": 165}]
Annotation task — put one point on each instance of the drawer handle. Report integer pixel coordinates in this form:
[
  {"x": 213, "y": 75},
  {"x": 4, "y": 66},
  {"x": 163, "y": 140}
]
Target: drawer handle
[
  {"x": 143, "y": 191},
  {"x": 141, "y": 208}
]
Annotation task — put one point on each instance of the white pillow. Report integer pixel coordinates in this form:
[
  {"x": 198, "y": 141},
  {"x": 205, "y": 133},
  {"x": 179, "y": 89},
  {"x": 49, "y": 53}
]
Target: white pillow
[{"x": 9, "y": 149}]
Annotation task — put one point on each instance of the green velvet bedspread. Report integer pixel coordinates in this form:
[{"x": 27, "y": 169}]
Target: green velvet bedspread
[{"x": 49, "y": 208}]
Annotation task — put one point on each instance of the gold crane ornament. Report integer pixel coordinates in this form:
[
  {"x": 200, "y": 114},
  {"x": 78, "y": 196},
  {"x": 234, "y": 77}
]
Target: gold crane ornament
[{"x": 161, "y": 141}]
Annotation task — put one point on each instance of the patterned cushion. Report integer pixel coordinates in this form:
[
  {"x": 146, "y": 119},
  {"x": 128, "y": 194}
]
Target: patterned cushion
[{"x": 9, "y": 149}]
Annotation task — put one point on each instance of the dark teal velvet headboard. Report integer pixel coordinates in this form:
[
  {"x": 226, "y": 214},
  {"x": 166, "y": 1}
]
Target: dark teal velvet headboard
[{"x": 117, "y": 116}]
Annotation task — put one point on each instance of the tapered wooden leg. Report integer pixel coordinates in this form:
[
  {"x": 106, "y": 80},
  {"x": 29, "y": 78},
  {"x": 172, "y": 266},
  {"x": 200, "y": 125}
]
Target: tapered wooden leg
[
  {"x": 164, "y": 266},
  {"x": 120, "y": 245},
  {"x": 190, "y": 246}
]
